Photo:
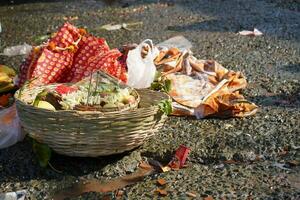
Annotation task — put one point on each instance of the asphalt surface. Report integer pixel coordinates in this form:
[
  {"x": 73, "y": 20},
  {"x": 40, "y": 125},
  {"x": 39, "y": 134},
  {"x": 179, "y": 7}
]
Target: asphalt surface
[{"x": 251, "y": 158}]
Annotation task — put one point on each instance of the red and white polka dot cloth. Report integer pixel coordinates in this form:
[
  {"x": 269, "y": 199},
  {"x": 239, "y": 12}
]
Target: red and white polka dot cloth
[{"x": 69, "y": 56}]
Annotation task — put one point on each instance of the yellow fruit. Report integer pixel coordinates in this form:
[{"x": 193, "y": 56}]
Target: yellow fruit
[
  {"x": 8, "y": 71},
  {"x": 45, "y": 105},
  {"x": 129, "y": 99},
  {"x": 7, "y": 75},
  {"x": 109, "y": 105},
  {"x": 4, "y": 78}
]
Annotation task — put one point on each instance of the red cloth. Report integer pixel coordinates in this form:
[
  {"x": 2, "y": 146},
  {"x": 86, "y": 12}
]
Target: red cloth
[{"x": 69, "y": 56}]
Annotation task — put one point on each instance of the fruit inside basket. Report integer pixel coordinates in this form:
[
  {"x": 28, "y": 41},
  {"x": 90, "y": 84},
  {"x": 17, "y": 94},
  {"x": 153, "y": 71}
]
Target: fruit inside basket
[{"x": 99, "y": 92}]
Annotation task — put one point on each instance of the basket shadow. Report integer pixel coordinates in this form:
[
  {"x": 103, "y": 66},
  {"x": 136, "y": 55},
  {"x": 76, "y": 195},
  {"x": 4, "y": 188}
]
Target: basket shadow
[
  {"x": 163, "y": 159},
  {"x": 19, "y": 163}
]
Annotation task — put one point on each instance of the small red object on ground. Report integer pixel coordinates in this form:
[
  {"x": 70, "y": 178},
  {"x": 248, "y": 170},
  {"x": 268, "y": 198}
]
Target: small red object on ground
[{"x": 181, "y": 155}]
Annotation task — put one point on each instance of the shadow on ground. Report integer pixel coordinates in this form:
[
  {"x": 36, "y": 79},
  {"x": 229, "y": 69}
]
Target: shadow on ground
[{"x": 15, "y": 166}]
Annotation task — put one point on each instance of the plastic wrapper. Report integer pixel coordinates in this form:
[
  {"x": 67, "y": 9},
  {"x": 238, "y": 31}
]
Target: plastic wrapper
[
  {"x": 202, "y": 88},
  {"x": 23, "y": 49},
  {"x": 141, "y": 71},
  {"x": 10, "y": 128}
]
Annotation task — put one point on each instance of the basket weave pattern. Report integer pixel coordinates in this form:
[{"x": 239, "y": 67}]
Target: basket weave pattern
[{"x": 92, "y": 133}]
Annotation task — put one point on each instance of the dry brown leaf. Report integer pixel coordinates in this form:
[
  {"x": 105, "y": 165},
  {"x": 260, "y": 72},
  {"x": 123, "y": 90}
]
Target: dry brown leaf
[
  {"x": 161, "y": 192},
  {"x": 103, "y": 187},
  {"x": 293, "y": 163},
  {"x": 209, "y": 198},
  {"x": 230, "y": 162},
  {"x": 161, "y": 181},
  {"x": 191, "y": 194},
  {"x": 145, "y": 165}
]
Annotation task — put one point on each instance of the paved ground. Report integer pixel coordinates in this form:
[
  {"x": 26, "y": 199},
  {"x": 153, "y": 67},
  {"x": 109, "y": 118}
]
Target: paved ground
[{"x": 271, "y": 64}]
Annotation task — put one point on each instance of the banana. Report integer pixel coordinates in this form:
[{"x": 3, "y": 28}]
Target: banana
[
  {"x": 7, "y": 75},
  {"x": 4, "y": 78},
  {"x": 7, "y": 88},
  {"x": 8, "y": 71}
]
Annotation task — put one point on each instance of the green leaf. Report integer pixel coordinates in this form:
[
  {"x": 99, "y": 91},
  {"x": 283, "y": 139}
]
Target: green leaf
[
  {"x": 167, "y": 85},
  {"x": 164, "y": 86},
  {"x": 165, "y": 106},
  {"x": 41, "y": 38},
  {"x": 43, "y": 153}
]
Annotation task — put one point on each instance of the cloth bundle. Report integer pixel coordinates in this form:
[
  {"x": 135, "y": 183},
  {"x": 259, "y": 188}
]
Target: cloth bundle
[{"x": 69, "y": 56}]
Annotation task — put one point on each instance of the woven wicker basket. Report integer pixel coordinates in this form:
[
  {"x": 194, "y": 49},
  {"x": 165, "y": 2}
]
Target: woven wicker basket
[{"x": 91, "y": 133}]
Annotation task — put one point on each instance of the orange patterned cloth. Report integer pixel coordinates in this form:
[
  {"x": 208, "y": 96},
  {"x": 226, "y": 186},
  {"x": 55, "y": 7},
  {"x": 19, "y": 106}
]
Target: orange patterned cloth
[
  {"x": 69, "y": 56},
  {"x": 203, "y": 88}
]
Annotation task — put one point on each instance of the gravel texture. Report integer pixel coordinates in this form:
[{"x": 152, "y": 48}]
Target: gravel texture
[{"x": 255, "y": 146}]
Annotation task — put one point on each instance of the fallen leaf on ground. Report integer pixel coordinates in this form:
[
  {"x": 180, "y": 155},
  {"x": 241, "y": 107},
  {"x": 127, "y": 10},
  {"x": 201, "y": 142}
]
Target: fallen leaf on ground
[
  {"x": 230, "y": 162},
  {"x": 293, "y": 163},
  {"x": 113, "y": 27},
  {"x": 145, "y": 165},
  {"x": 255, "y": 32},
  {"x": 161, "y": 192},
  {"x": 209, "y": 198},
  {"x": 191, "y": 194},
  {"x": 23, "y": 49},
  {"x": 103, "y": 187},
  {"x": 161, "y": 181}
]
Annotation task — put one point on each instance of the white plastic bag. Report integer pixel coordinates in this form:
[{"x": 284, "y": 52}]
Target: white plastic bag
[
  {"x": 18, "y": 195},
  {"x": 23, "y": 49},
  {"x": 10, "y": 128},
  {"x": 141, "y": 71}
]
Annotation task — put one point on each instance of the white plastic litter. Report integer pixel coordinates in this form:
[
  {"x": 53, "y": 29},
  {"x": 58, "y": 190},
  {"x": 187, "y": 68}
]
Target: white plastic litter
[
  {"x": 18, "y": 195},
  {"x": 10, "y": 128},
  {"x": 141, "y": 71},
  {"x": 179, "y": 42},
  {"x": 23, "y": 49},
  {"x": 255, "y": 32}
]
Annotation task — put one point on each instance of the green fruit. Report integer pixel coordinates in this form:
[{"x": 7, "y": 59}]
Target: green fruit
[{"x": 45, "y": 105}]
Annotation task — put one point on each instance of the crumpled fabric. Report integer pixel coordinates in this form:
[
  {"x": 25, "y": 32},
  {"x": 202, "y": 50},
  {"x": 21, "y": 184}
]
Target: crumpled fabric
[
  {"x": 69, "y": 56},
  {"x": 203, "y": 88}
]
